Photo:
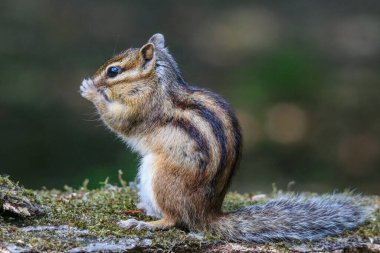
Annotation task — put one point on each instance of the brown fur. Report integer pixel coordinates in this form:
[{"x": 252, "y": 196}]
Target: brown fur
[
  {"x": 167, "y": 121},
  {"x": 190, "y": 142}
]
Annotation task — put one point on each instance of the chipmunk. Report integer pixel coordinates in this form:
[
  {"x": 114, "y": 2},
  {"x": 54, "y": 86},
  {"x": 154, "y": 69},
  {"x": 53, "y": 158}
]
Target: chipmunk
[{"x": 190, "y": 143}]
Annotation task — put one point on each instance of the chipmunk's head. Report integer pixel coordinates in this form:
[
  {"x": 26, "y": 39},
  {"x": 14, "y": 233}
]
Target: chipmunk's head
[
  {"x": 132, "y": 70},
  {"x": 127, "y": 85}
]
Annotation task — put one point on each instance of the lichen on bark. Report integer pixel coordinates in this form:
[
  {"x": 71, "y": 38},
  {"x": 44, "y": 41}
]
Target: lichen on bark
[{"x": 17, "y": 201}]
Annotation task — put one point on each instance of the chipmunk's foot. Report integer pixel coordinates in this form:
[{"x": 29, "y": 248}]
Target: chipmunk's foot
[
  {"x": 136, "y": 224},
  {"x": 151, "y": 225}
]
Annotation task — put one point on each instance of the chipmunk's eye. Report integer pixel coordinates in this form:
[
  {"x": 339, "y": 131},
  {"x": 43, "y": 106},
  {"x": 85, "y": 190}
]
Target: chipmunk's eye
[{"x": 113, "y": 71}]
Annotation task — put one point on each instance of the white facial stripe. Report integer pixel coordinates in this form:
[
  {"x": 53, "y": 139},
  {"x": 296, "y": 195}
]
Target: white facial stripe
[{"x": 114, "y": 64}]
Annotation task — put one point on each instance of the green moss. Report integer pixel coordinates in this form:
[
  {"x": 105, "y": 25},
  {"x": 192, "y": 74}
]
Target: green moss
[
  {"x": 96, "y": 211},
  {"x": 93, "y": 214},
  {"x": 17, "y": 201},
  {"x": 235, "y": 201},
  {"x": 372, "y": 228},
  {"x": 10, "y": 188}
]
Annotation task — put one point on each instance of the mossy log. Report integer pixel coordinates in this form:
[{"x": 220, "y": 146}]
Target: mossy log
[{"x": 82, "y": 220}]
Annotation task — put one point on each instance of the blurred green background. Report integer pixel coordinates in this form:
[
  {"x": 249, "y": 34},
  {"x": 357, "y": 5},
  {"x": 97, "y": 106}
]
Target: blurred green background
[{"x": 303, "y": 77}]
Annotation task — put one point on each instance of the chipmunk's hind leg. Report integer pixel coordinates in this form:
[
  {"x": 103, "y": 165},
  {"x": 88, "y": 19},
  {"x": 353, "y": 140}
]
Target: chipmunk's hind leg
[{"x": 161, "y": 224}]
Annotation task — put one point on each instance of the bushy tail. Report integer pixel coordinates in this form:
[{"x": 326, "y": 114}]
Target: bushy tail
[{"x": 292, "y": 218}]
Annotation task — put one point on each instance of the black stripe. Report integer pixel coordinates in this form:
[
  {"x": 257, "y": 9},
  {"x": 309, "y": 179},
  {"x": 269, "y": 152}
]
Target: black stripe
[
  {"x": 217, "y": 128},
  {"x": 238, "y": 142},
  {"x": 236, "y": 130},
  {"x": 216, "y": 125},
  {"x": 232, "y": 117},
  {"x": 183, "y": 102},
  {"x": 235, "y": 125},
  {"x": 195, "y": 135}
]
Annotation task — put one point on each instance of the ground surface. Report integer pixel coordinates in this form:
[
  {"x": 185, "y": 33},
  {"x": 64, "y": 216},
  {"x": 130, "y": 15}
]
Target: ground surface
[{"x": 82, "y": 220}]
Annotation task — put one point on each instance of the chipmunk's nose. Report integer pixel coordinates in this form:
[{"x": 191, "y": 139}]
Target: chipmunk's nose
[{"x": 97, "y": 82}]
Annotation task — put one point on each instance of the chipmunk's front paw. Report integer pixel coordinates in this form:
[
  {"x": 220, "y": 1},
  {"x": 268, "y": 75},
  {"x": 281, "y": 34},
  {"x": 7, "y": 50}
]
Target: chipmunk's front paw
[
  {"x": 88, "y": 89},
  {"x": 136, "y": 224}
]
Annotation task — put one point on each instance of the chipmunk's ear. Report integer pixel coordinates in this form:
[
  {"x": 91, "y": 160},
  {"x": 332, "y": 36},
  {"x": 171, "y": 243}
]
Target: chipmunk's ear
[
  {"x": 158, "y": 40},
  {"x": 147, "y": 55},
  {"x": 147, "y": 52}
]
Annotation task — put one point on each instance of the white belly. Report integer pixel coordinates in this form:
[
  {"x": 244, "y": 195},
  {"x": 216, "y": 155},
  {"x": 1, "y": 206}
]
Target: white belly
[{"x": 145, "y": 176}]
